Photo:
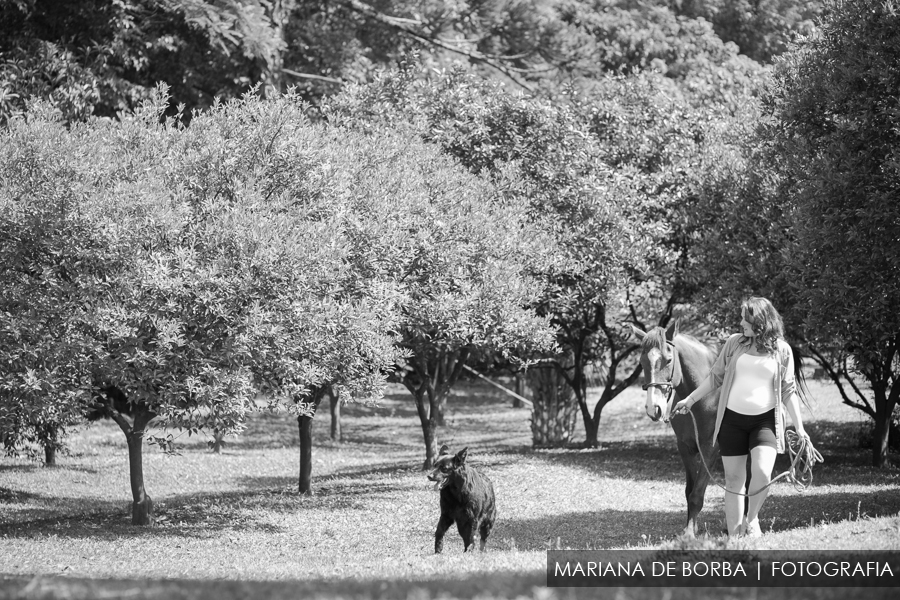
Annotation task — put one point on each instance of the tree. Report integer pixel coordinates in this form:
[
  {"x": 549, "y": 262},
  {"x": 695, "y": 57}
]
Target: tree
[
  {"x": 98, "y": 57},
  {"x": 592, "y": 211},
  {"x": 742, "y": 238},
  {"x": 204, "y": 49},
  {"x": 465, "y": 269},
  {"x": 762, "y": 29},
  {"x": 834, "y": 124},
  {"x": 52, "y": 268},
  {"x": 213, "y": 274}
]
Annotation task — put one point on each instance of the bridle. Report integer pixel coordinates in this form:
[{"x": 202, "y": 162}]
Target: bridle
[{"x": 668, "y": 387}]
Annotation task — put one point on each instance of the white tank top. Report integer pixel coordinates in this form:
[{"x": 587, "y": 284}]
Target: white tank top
[{"x": 753, "y": 390}]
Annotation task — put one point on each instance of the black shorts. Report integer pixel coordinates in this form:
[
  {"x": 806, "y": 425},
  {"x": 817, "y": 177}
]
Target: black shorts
[{"x": 740, "y": 433}]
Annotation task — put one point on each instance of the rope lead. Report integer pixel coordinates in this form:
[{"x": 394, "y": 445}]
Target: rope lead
[{"x": 803, "y": 457}]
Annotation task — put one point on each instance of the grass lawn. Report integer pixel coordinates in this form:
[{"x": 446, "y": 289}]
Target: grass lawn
[{"x": 231, "y": 525}]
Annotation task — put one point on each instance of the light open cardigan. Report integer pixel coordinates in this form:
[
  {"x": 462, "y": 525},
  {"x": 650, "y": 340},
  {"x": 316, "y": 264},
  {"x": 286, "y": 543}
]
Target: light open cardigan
[{"x": 722, "y": 376}]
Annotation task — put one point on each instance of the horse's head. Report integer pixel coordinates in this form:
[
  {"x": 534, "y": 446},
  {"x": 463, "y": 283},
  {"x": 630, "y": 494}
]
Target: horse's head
[{"x": 662, "y": 372}]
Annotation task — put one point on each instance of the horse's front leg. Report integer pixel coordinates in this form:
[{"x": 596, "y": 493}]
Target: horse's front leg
[
  {"x": 696, "y": 480},
  {"x": 702, "y": 478}
]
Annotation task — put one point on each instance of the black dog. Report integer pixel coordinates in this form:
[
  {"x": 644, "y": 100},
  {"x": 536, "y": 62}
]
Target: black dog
[{"x": 467, "y": 498}]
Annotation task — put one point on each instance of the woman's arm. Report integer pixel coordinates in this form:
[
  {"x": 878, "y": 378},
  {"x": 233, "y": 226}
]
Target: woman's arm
[
  {"x": 789, "y": 392},
  {"x": 712, "y": 382},
  {"x": 706, "y": 386},
  {"x": 793, "y": 407}
]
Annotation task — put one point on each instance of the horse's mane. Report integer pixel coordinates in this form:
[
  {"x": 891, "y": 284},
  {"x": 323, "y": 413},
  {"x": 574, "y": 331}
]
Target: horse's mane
[{"x": 656, "y": 338}]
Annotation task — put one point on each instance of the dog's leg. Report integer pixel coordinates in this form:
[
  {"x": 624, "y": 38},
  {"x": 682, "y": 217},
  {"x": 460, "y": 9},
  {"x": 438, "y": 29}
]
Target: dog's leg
[
  {"x": 467, "y": 531},
  {"x": 485, "y": 531},
  {"x": 443, "y": 525}
]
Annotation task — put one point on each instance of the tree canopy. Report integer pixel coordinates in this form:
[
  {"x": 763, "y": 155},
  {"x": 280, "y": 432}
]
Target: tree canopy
[
  {"x": 99, "y": 56},
  {"x": 834, "y": 123}
]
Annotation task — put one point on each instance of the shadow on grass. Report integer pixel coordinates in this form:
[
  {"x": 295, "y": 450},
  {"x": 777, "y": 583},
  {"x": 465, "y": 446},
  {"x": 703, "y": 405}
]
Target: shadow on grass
[
  {"x": 657, "y": 458},
  {"x": 201, "y": 516},
  {"x": 23, "y": 468},
  {"x": 495, "y": 585},
  {"x": 793, "y": 512},
  {"x": 653, "y": 459},
  {"x": 268, "y": 430},
  {"x": 195, "y": 515},
  {"x": 16, "y": 496},
  {"x": 585, "y": 530},
  {"x": 331, "y": 487},
  {"x": 355, "y": 486}
]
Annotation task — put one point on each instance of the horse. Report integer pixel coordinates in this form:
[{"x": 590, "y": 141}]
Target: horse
[{"x": 674, "y": 365}]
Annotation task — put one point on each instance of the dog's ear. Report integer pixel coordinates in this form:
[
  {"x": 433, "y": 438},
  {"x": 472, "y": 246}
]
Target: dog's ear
[
  {"x": 445, "y": 449},
  {"x": 461, "y": 456}
]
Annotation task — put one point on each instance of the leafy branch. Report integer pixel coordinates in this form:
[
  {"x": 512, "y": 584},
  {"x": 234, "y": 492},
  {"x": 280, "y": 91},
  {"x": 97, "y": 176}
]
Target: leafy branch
[{"x": 414, "y": 28}]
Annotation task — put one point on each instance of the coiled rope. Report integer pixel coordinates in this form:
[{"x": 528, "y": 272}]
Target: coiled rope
[{"x": 803, "y": 457}]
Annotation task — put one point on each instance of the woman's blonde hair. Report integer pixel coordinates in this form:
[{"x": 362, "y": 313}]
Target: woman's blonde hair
[{"x": 766, "y": 323}]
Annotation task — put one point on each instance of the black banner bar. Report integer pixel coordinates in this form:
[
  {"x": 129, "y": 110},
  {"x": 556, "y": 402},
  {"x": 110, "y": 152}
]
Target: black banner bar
[{"x": 723, "y": 568}]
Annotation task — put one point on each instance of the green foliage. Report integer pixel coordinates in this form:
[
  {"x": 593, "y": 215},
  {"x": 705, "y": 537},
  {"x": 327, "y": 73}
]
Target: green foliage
[
  {"x": 603, "y": 169},
  {"x": 805, "y": 213},
  {"x": 190, "y": 268},
  {"x": 572, "y": 194},
  {"x": 740, "y": 228},
  {"x": 168, "y": 263},
  {"x": 98, "y": 57},
  {"x": 837, "y": 129},
  {"x": 56, "y": 269},
  {"x": 205, "y": 49},
  {"x": 762, "y": 29},
  {"x": 623, "y": 37}
]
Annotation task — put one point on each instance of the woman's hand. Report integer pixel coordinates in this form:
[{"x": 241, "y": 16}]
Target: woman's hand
[{"x": 683, "y": 407}]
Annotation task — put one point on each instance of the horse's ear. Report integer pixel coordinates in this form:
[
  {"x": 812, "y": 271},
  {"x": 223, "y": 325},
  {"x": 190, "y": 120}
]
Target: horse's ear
[
  {"x": 638, "y": 332},
  {"x": 461, "y": 456},
  {"x": 672, "y": 329}
]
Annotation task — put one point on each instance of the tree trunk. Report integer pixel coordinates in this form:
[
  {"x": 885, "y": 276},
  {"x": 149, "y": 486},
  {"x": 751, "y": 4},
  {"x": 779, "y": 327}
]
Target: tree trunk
[
  {"x": 336, "y": 433},
  {"x": 304, "y": 422},
  {"x": 429, "y": 428},
  {"x": 49, "y": 441},
  {"x": 304, "y": 482},
  {"x": 132, "y": 419},
  {"x": 555, "y": 413},
  {"x": 518, "y": 388},
  {"x": 425, "y": 404},
  {"x": 218, "y": 441},
  {"x": 592, "y": 427},
  {"x": 142, "y": 507},
  {"x": 50, "y": 455},
  {"x": 884, "y": 411},
  {"x": 271, "y": 69},
  {"x": 592, "y": 432},
  {"x": 430, "y": 385},
  {"x": 443, "y": 377}
]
